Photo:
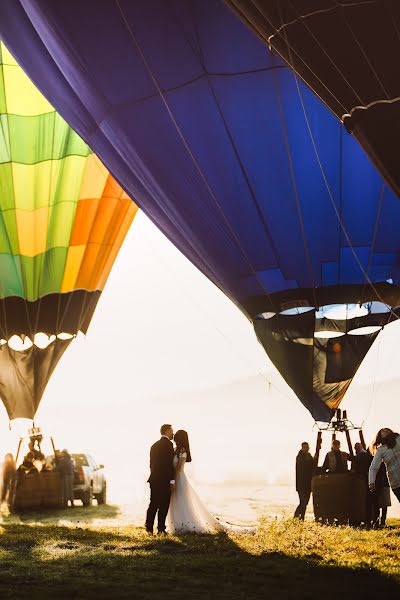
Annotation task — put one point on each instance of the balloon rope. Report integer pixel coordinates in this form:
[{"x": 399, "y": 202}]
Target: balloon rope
[
  {"x": 365, "y": 56},
  {"x": 370, "y": 65},
  {"x": 302, "y": 17},
  {"x": 393, "y": 21},
  {"x": 309, "y": 30},
  {"x": 376, "y": 227},
  {"x": 373, "y": 389},
  {"x": 296, "y": 193},
  {"x": 210, "y": 319},
  {"x": 228, "y": 132},
  {"x": 339, "y": 250},
  {"x": 391, "y": 100},
  {"x": 322, "y": 83}
]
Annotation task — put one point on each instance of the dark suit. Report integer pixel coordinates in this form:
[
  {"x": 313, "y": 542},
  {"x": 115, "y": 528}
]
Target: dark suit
[
  {"x": 361, "y": 463},
  {"x": 304, "y": 473},
  {"x": 161, "y": 474}
]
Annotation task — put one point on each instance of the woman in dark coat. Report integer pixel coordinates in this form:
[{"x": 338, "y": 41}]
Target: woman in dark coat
[
  {"x": 9, "y": 470},
  {"x": 381, "y": 497},
  {"x": 65, "y": 467}
]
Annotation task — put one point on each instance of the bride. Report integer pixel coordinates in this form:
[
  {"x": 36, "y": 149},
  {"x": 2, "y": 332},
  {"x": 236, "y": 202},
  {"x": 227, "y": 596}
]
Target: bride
[{"x": 187, "y": 513}]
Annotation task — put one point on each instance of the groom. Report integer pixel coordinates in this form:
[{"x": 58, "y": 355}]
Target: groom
[{"x": 161, "y": 479}]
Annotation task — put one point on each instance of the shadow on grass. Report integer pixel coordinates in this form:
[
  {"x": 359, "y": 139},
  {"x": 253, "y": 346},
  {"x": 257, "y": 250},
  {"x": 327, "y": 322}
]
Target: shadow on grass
[
  {"x": 79, "y": 515},
  {"x": 62, "y": 562}
]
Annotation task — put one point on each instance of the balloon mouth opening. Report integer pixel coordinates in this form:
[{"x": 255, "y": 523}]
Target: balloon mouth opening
[
  {"x": 41, "y": 340},
  {"x": 266, "y": 315},
  {"x": 297, "y": 310},
  {"x": 344, "y": 312},
  {"x": 324, "y": 335},
  {"x": 365, "y": 330},
  {"x": 335, "y": 312},
  {"x": 338, "y": 320}
]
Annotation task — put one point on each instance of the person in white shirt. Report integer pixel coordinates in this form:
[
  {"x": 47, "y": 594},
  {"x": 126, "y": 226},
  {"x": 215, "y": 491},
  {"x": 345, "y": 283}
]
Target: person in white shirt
[{"x": 386, "y": 449}]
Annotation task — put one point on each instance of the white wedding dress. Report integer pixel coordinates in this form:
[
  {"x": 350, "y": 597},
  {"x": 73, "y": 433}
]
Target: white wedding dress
[{"x": 187, "y": 513}]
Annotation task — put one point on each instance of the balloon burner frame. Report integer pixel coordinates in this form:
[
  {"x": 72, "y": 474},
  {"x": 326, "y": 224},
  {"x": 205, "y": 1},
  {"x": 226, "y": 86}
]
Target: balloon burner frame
[{"x": 339, "y": 424}]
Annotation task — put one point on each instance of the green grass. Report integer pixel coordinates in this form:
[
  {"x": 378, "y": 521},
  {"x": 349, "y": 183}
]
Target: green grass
[{"x": 284, "y": 559}]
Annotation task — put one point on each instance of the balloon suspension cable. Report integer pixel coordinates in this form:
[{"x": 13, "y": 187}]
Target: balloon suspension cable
[
  {"x": 313, "y": 73},
  {"x": 295, "y": 189},
  {"x": 210, "y": 319},
  {"x": 323, "y": 51},
  {"x": 372, "y": 396}
]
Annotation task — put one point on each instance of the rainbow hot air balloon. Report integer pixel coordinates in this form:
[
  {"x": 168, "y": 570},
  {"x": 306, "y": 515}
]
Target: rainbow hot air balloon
[{"x": 63, "y": 219}]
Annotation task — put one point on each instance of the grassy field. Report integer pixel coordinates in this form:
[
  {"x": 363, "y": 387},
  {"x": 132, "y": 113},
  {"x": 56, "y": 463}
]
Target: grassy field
[{"x": 284, "y": 559}]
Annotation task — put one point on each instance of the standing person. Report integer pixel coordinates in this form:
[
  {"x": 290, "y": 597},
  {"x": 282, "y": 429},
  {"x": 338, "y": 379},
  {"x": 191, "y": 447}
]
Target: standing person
[
  {"x": 360, "y": 466},
  {"x": 187, "y": 512},
  {"x": 161, "y": 480},
  {"x": 38, "y": 454},
  {"x": 304, "y": 473},
  {"x": 335, "y": 460},
  {"x": 8, "y": 472},
  {"x": 65, "y": 466},
  {"x": 381, "y": 496},
  {"x": 27, "y": 467},
  {"x": 361, "y": 461},
  {"x": 386, "y": 449},
  {"x": 69, "y": 477}
]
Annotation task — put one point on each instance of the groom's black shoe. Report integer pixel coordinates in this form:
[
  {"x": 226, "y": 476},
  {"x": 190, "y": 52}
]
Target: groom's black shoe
[
  {"x": 162, "y": 532},
  {"x": 150, "y": 531}
]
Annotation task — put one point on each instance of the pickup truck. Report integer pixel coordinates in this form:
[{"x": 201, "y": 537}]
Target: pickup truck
[{"x": 89, "y": 480}]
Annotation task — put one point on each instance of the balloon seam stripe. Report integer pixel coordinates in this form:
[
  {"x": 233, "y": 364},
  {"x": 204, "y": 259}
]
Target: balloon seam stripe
[
  {"x": 228, "y": 132},
  {"x": 49, "y": 211},
  {"x": 23, "y": 274},
  {"x": 295, "y": 190}
]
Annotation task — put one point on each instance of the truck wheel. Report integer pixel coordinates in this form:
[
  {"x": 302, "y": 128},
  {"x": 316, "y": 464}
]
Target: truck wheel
[
  {"x": 88, "y": 497},
  {"x": 102, "y": 497}
]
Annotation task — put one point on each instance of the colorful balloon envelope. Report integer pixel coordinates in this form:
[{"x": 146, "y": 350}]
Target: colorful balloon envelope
[
  {"x": 63, "y": 219},
  {"x": 248, "y": 173}
]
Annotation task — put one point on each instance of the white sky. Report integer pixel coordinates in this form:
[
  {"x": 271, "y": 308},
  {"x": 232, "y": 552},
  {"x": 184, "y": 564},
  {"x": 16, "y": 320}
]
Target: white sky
[{"x": 167, "y": 345}]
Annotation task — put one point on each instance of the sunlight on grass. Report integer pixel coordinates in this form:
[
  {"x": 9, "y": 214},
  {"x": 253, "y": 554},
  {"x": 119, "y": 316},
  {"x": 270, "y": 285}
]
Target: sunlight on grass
[
  {"x": 55, "y": 550},
  {"x": 342, "y": 545},
  {"x": 287, "y": 557}
]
